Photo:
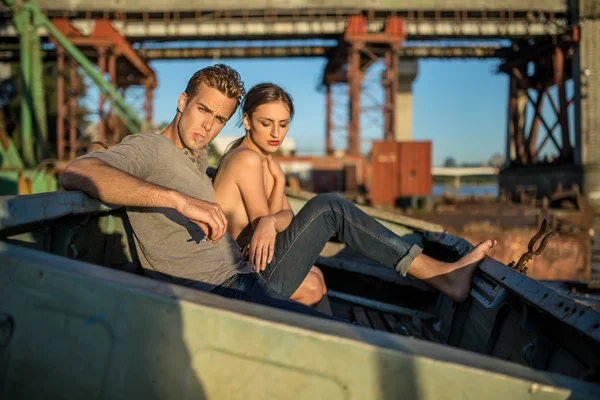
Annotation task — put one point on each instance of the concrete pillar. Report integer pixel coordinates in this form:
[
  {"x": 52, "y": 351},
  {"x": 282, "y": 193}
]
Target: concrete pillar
[
  {"x": 587, "y": 101},
  {"x": 408, "y": 69}
]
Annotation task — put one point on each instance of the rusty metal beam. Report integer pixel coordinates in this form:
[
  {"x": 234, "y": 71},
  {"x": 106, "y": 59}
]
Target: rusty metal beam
[
  {"x": 104, "y": 29},
  {"x": 86, "y": 41},
  {"x": 558, "y": 63},
  {"x": 390, "y": 85},
  {"x": 233, "y": 52},
  {"x": 356, "y": 30},
  {"x": 106, "y": 36},
  {"x": 363, "y": 42},
  {"x": 523, "y": 52},
  {"x": 261, "y": 23},
  {"x": 218, "y": 9},
  {"x": 328, "y": 121},
  {"x": 550, "y": 69},
  {"x": 354, "y": 80},
  {"x": 452, "y": 51},
  {"x": 338, "y": 56},
  {"x": 532, "y": 151},
  {"x": 515, "y": 119},
  {"x": 182, "y": 53}
]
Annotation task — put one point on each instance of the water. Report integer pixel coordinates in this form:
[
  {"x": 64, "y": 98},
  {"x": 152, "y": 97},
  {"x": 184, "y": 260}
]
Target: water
[{"x": 467, "y": 190}]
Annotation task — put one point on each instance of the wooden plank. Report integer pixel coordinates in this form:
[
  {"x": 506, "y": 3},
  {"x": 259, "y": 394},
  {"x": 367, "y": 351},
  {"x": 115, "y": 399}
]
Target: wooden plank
[
  {"x": 376, "y": 320},
  {"x": 361, "y": 317}
]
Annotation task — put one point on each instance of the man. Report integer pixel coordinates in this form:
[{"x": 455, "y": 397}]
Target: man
[{"x": 180, "y": 232}]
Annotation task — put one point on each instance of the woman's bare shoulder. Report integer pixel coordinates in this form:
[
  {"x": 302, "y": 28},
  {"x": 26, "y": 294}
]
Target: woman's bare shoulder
[
  {"x": 239, "y": 163},
  {"x": 243, "y": 158}
]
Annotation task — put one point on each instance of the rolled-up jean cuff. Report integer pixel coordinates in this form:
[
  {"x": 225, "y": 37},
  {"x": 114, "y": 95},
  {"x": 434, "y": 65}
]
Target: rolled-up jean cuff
[{"x": 404, "y": 263}]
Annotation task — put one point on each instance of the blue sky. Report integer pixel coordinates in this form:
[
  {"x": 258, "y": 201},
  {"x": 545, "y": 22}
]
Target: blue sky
[{"x": 459, "y": 105}]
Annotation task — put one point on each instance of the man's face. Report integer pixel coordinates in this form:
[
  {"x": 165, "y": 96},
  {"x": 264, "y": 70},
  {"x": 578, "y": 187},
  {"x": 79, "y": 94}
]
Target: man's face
[{"x": 203, "y": 117}]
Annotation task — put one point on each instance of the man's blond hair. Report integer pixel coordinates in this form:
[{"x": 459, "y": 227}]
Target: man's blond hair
[{"x": 219, "y": 76}]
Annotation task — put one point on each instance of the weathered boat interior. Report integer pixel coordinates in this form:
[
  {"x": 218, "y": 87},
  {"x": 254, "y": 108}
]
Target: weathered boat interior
[{"x": 78, "y": 318}]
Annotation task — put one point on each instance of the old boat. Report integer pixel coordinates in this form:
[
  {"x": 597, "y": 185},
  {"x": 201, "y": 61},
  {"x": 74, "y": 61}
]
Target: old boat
[{"x": 78, "y": 320}]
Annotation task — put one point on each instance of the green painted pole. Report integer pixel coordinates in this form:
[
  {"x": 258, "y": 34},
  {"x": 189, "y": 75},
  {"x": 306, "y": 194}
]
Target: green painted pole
[
  {"x": 38, "y": 101},
  {"x": 122, "y": 109},
  {"x": 22, "y": 22}
]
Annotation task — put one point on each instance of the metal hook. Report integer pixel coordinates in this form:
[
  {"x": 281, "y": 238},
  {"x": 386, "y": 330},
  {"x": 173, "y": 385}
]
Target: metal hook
[
  {"x": 537, "y": 236},
  {"x": 527, "y": 256}
]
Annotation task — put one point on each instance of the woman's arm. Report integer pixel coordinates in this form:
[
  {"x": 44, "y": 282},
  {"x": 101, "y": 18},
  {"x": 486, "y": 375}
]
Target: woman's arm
[
  {"x": 286, "y": 204},
  {"x": 247, "y": 168},
  {"x": 249, "y": 175},
  {"x": 278, "y": 202},
  {"x": 277, "y": 194}
]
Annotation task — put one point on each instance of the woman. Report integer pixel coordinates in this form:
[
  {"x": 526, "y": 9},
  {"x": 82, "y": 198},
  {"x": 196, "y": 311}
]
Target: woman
[
  {"x": 282, "y": 247},
  {"x": 267, "y": 112}
]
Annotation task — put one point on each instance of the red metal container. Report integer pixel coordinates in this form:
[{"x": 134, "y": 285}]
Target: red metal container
[{"x": 399, "y": 170}]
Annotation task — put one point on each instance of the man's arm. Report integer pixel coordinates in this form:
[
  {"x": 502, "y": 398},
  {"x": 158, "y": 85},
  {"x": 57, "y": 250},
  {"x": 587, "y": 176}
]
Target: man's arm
[{"x": 111, "y": 185}]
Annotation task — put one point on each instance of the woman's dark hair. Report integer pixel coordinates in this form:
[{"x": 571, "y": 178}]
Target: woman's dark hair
[{"x": 263, "y": 93}]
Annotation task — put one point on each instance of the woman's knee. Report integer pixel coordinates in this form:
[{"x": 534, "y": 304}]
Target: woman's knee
[
  {"x": 328, "y": 197},
  {"x": 311, "y": 290},
  {"x": 320, "y": 280},
  {"x": 323, "y": 200},
  {"x": 314, "y": 284}
]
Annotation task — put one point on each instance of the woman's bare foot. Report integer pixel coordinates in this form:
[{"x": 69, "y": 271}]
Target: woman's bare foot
[
  {"x": 463, "y": 270},
  {"x": 452, "y": 279}
]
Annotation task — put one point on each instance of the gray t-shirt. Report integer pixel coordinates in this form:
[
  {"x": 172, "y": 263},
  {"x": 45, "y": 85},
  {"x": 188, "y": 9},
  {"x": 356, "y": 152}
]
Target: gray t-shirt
[{"x": 166, "y": 241}]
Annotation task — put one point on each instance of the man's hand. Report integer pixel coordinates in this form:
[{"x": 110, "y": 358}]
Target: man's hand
[
  {"x": 208, "y": 216},
  {"x": 262, "y": 246}
]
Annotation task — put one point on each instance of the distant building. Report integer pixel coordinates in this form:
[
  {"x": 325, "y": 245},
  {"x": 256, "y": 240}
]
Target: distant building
[{"x": 496, "y": 161}]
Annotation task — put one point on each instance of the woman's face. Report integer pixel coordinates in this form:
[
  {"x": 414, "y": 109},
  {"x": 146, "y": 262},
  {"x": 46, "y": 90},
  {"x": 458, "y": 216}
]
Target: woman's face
[{"x": 268, "y": 126}]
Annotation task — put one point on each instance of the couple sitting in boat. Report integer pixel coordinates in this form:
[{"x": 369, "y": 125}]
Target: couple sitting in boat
[{"x": 239, "y": 237}]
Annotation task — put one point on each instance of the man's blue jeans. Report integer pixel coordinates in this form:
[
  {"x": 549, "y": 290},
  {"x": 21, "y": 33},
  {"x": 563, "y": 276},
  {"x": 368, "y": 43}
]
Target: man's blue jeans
[{"x": 297, "y": 248}]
